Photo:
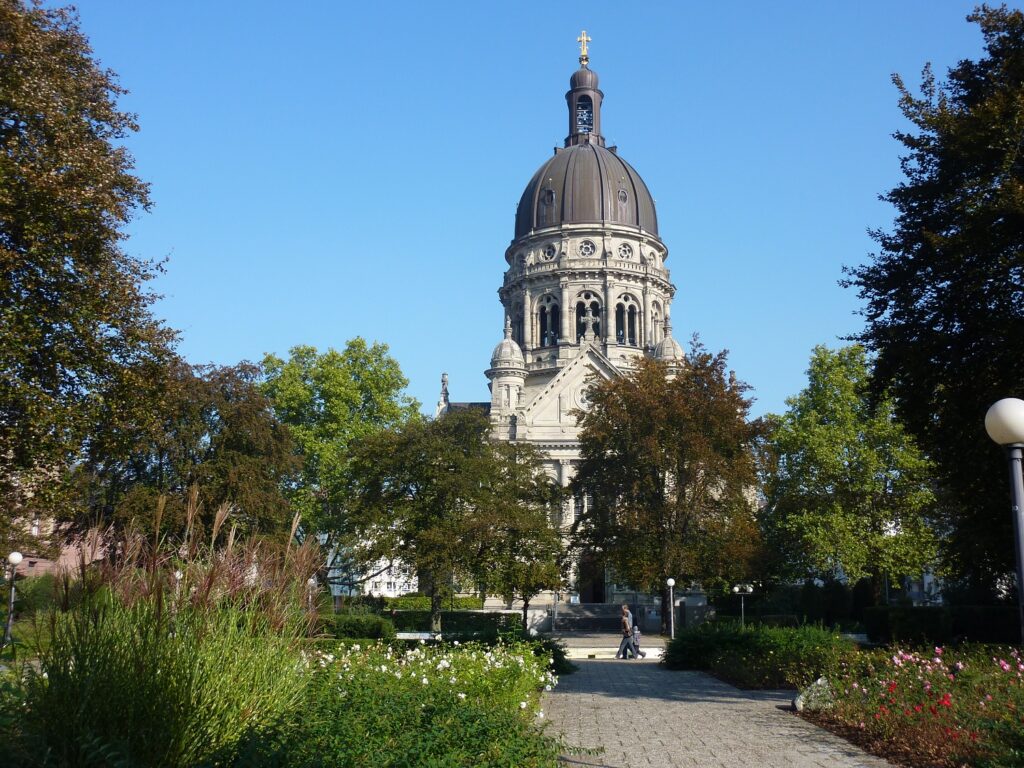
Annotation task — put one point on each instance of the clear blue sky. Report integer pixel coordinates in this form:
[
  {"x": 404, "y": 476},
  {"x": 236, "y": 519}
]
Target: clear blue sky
[{"x": 325, "y": 170}]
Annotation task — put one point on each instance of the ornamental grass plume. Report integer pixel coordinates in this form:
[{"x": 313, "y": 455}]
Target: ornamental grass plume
[{"x": 176, "y": 651}]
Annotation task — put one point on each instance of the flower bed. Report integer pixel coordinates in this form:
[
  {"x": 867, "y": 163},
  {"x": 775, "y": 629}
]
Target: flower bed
[
  {"x": 432, "y": 705},
  {"x": 949, "y": 707}
]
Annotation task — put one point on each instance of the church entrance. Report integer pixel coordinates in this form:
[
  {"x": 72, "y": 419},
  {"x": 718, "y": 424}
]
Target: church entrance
[{"x": 590, "y": 581}]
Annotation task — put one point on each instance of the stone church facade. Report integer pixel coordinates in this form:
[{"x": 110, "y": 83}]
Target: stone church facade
[{"x": 586, "y": 291}]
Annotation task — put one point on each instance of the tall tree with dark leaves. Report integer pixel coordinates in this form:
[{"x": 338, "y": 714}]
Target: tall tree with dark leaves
[
  {"x": 207, "y": 428},
  {"x": 74, "y": 315},
  {"x": 668, "y": 471},
  {"x": 945, "y": 293}
]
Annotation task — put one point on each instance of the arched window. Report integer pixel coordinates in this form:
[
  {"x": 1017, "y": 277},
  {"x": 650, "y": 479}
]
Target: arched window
[
  {"x": 627, "y": 321},
  {"x": 548, "y": 320},
  {"x": 584, "y": 302},
  {"x": 655, "y": 323}
]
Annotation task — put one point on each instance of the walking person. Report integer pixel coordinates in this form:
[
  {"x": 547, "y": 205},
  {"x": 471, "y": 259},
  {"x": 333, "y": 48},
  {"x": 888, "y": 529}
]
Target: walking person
[
  {"x": 626, "y": 625},
  {"x": 637, "y": 653}
]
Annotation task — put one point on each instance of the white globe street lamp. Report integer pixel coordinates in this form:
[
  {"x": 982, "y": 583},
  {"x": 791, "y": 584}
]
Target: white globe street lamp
[
  {"x": 671, "y": 609},
  {"x": 742, "y": 590},
  {"x": 1004, "y": 423},
  {"x": 14, "y": 559}
]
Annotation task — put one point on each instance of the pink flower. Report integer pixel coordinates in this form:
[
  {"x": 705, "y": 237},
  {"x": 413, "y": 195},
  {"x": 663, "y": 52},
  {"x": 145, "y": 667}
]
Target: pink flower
[{"x": 938, "y": 651}]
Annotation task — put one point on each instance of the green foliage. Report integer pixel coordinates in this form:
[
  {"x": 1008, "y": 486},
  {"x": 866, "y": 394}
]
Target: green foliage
[
  {"x": 35, "y": 593},
  {"x": 944, "y": 707},
  {"x": 328, "y": 401},
  {"x": 76, "y": 330},
  {"x": 942, "y": 295},
  {"x": 848, "y": 491},
  {"x": 366, "y": 626},
  {"x": 759, "y": 656},
  {"x": 666, "y": 462},
  {"x": 422, "y": 603},
  {"x": 204, "y": 427},
  {"x": 460, "y": 625},
  {"x": 443, "y": 498},
  {"x": 468, "y": 706},
  {"x": 141, "y": 685},
  {"x": 986, "y": 623}
]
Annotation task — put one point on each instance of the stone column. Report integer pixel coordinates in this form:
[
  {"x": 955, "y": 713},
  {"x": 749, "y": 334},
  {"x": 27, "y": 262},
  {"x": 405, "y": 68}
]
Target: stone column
[
  {"x": 609, "y": 312},
  {"x": 527, "y": 321},
  {"x": 648, "y": 338},
  {"x": 568, "y": 313}
]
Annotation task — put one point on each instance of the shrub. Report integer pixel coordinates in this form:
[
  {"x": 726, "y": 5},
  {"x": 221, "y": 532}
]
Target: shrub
[
  {"x": 876, "y": 623},
  {"x": 759, "y": 656},
  {"x": 422, "y": 603},
  {"x": 917, "y": 625},
  {"x": 366, "y": 626},
  {"x": 140, "y": 685},
  {"x": 985, "y": 623},
  {"x": 470, "y": 624}
]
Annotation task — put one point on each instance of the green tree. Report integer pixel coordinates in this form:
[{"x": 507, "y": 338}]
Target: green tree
[
  {"x": 944, "y": 293},
  {"x": 521, "y": 551},
  {"x": 443, "y": 499},
  {"x": 668, "y": 470},
  {"x": 74, "y": 316},
  {"x": 849, "y": 491},
  {"x": 203, "y": 427},
  {"x": 328, "y": 401}
]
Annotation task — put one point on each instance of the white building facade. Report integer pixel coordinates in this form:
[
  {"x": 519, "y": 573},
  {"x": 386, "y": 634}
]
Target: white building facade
[{"x": 586, "y": 291}]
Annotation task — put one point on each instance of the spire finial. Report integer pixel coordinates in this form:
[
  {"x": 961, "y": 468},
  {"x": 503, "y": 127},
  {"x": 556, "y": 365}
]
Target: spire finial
[
  {"x": 583, "y": 40},
  {"x": 508, "y": 327}
]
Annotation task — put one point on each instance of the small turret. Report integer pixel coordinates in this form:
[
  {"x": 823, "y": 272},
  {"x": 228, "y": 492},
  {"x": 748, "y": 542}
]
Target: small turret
[{"x": 507, "y": 374}]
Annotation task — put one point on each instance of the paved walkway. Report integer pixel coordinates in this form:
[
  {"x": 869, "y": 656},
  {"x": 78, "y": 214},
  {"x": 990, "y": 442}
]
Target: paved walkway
[{"x": 645, "y": 715}]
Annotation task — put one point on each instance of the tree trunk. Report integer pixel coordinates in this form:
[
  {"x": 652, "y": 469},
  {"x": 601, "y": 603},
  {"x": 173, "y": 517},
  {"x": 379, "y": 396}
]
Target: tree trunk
[
  {"x": 526, "y": 607},
  {"x": 436, "y": 600}
]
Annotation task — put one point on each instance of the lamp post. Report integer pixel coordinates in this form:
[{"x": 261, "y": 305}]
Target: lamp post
[
  {"x": 14, "y": 558},
  {"x": 743, "y": 590},
  {"x": 1004, "y": 423},
  {"x": 671, "y": 609}
]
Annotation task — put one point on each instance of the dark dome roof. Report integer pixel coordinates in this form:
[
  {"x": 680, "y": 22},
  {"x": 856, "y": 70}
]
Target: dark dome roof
[
  {"x": 583, "y": 78},
  {"x": 585, "y": 184}
]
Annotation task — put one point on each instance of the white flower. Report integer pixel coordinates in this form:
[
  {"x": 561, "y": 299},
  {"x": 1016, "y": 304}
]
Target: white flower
[
  {"x": 355, "y": 647},
  {"x": 541, "y": 713},
  {"x": 522, "y": 705},
  {"x": 547, "y": 687},
  {"x": 462, "y": 696},
  {"x": 425, "y": 681}
]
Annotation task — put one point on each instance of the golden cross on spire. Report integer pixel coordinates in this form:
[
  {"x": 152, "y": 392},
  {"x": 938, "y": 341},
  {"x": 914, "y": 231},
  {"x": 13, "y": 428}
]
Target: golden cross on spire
[{"x": 583, "y": 40}]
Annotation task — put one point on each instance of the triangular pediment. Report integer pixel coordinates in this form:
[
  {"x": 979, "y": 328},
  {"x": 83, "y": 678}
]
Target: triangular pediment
[{"x": 565, "y": 392}]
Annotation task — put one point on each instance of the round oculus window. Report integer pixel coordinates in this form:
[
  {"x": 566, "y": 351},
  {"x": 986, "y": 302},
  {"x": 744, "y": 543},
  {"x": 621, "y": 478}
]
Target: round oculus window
[
  {"x": 549, "y": 252},
  {"x": 625, "y": 251},
  {"x": 623, "y": 196},
  {"x": 587, "y": 248}
]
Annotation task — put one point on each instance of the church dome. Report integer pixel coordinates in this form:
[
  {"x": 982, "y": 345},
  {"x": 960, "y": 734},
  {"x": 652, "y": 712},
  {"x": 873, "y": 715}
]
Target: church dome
[
  {"x": 668, "y": 349},
  {"x": 507, "y": 354},
  {"x": 584, "y": 77},
  {"x": 585, "y": 183}
]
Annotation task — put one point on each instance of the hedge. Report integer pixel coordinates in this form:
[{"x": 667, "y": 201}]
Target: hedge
[
  {"x": 359, "y": 626},
  {"x": 935, "y": 625}
]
